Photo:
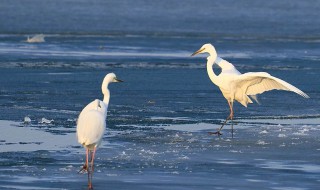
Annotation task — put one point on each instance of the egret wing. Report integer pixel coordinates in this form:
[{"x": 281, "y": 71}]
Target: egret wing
[
  {"x": 258, "y": 82},
  {"x": 90, "y": 127},
  {"x": 227, "y": 67}
]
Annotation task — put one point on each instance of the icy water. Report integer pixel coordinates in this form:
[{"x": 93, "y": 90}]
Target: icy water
[{"x": 158, "y": 119}]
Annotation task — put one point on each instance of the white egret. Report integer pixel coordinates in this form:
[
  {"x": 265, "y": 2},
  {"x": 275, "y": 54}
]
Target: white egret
[
  {"x": 240, "y": 87},
  {"x": 91, "y": 124}
]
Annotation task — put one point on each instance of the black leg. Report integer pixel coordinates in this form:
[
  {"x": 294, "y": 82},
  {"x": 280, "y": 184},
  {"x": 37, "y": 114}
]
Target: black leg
[
  {"x": 231, "y": 117},
  {"x": 232, "y": 128},
  {"x": 218, "y": 132},
  {"x": 224, "y": 123}
]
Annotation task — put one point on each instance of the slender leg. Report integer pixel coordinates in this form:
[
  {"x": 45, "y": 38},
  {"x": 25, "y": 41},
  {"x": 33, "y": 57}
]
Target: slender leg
[
  {"x": 232, "y": 128},
  {"x": 90, "y": 173},
  {"x": 92, "y": 159},
  {"x": 228, "y": 118},
  {"x": 85, "y": 166},
  {"x": 231, "y": 117}
]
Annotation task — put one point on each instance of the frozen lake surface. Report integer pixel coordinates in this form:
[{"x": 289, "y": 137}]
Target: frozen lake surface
[
  {"x": 158, "y": 119},
  {"x": 271, "y": 154}
]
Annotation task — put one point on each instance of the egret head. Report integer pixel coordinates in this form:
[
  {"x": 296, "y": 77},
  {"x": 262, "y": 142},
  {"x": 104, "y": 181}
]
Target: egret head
[
  {"x": 111, "y": 77},
  {"x": 206, "y": 48}
]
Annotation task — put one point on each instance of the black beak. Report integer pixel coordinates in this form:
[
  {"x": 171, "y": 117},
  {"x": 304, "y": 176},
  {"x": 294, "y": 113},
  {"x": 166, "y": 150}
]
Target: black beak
[{"x": 118, "y": 80}]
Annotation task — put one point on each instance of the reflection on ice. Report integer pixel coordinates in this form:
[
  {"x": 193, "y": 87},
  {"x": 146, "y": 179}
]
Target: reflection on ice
[
  {"x": 177, "y": 152},
  {"x": 291, "y": 166},
  {"x": 15, "y": 138},
  {"x": 284, "y": 121}
]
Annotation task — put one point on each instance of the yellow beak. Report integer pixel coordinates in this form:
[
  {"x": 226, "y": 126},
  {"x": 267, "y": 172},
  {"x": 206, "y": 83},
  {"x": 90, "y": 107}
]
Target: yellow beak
[{"x": 197, "y": 52}]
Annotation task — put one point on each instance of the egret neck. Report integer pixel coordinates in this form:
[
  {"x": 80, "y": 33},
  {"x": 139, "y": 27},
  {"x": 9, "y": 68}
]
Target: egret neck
[
  {"x": 106, "y": 92},
  {"x": 210, "y": 61}
]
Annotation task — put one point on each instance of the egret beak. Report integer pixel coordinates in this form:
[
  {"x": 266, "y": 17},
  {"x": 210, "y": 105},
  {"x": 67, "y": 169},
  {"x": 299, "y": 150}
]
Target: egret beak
[
  {"x": 118, "y": 80},
  {"x": 197, "y": 52}
]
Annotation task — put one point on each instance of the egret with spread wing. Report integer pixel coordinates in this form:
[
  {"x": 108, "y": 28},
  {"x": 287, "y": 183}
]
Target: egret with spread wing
[
  {"x": 241, "y": 87},
  {"x": 92, "y": 123}
]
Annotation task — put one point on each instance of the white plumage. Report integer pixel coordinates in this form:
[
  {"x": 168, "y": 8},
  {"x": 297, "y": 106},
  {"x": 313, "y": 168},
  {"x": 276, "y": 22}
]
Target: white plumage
[
  {"x": 241, "y": 87},
  {"x": 91, "y": 124}
]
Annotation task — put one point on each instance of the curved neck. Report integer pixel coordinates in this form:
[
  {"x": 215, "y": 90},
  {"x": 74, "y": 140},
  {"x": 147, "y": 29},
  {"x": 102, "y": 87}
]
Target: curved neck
[
  {"x": 105, "y": 92},
  {"x": 106, "y": 97},
  {"x": 212, "y": 75}
]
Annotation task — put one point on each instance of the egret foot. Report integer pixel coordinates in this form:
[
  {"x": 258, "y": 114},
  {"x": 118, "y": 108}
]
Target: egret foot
[{"x": 84, "y": 169}]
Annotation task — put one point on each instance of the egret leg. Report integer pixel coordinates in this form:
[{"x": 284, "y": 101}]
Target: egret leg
[
  {"x": 232, "y": 127},
  {"x": 85, "y": 166},
  {"x": 92, "y": 159},
  {"x": 228, "y": 118},
  {"x": 89, "y": 177},
  {"x": 90, "y": 173},
  {"x": 231, "y": 117}
]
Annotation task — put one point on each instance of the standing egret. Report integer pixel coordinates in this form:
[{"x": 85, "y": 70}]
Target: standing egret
[
  {"x": 92, "y": 123},
  {"x": 240, "y": 87}
]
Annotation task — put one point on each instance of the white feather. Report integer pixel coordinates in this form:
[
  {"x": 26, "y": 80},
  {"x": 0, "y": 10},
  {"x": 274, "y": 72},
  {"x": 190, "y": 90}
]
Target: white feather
[
  {"x": 91, "y": 123},
  {"x": 258, "y": 82},
  {"x": 242, "y": 87}
]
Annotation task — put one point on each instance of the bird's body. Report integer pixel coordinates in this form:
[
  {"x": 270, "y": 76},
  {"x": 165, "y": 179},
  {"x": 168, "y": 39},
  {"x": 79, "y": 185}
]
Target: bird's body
[
  {"x": 91, "y": 124},
  {"x": 241, "y": 87}
]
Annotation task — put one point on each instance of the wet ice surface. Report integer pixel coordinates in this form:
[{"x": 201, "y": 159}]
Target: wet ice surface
[
  {"x": 157, "y": 124},
  {"x": 265, "y": 154},
  {"x": 158, "y": 119}
]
